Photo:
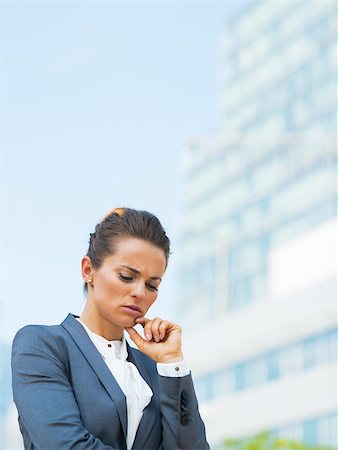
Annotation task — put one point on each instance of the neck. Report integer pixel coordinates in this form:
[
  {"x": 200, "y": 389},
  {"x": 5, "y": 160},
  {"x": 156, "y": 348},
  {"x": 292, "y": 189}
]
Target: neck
[{"x": 99, "y": 325}]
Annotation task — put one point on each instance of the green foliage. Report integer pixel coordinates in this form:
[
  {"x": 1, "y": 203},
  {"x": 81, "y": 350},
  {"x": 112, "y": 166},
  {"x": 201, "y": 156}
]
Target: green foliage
[{"x": 265, "y": 441}]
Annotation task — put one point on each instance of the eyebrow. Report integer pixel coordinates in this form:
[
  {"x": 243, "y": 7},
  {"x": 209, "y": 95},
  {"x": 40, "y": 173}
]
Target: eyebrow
[{"x": 138, "y": 272}]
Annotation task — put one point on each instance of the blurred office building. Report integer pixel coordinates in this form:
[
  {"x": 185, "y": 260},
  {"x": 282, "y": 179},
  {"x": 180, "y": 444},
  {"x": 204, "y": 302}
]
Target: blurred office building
[{"x": 257, "y": 235}]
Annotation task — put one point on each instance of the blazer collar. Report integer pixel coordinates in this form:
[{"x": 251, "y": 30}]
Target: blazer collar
[{"x": 95, "y": 360}]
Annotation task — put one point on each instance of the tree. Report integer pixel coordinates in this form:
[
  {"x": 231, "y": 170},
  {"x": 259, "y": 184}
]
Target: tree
[{"x": 267, "y": 441}]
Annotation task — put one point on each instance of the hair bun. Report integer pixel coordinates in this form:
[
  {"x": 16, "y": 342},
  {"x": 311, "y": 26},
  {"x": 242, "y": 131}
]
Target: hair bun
[{"x": 119, "y": 212}]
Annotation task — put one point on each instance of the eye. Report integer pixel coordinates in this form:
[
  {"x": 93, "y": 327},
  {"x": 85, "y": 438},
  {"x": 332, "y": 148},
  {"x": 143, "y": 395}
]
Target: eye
[
  {"x": 151, "y": 287},
  {"x": 125, "y": 277}
]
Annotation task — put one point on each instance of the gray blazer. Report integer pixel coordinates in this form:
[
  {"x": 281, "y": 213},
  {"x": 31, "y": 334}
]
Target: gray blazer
[{"x": 67, "y": 397}]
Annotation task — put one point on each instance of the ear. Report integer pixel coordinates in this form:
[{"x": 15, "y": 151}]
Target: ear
[{"x": 86, "y": 269}]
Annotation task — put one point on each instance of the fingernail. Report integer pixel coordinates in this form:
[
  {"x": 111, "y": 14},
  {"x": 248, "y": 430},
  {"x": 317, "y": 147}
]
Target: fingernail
[
  {"x": 161, "y": 337},
  {"x": 148, "y": 336}
]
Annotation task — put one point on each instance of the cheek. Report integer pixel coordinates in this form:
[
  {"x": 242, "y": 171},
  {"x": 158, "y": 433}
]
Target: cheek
[
  {"x": 111, "y": 287},
  {"x": 152, "y": 298}
]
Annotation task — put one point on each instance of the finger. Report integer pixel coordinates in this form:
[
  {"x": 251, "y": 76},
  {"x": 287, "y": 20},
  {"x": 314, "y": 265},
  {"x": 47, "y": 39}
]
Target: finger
[
  {"x": 142, "y": 320},
  {"x": 163, "y": 328},
  {"x": 136, "y": 338},
  {"x": 146, "y": 329},
  {"x": 155, "y": 324}
]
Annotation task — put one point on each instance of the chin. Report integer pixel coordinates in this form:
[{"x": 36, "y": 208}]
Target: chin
[{"x": 127, "y": 322}]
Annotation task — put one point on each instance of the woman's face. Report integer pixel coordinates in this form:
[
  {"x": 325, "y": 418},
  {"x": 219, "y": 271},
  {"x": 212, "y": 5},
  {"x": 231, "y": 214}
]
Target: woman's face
[{"x": 125, "y": 286}]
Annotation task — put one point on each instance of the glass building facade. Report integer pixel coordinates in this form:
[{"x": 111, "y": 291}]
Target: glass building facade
[
  {"x": 249, "y": 194},
  {"x": 266, "y": 177},
  {"x": 268, "y": 367}
]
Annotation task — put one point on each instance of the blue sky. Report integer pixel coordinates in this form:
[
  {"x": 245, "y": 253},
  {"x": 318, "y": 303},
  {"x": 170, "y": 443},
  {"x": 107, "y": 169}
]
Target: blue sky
[{"x": 98, "y": 100}]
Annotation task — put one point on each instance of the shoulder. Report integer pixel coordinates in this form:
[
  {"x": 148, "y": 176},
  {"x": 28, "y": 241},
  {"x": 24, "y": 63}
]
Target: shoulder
[
  {"x": 36, "y": 333},
  {"x": 40, "y": 339}
]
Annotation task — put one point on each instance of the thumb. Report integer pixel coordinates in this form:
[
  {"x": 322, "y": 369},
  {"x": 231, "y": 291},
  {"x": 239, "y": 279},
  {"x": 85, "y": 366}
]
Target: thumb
[{"x": 136, "y": 338}]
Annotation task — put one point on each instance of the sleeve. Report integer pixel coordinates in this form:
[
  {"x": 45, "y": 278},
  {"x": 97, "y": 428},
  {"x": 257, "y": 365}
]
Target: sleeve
[
  {"x": 182, "y": 426},
  {"x": 178, "y": 369},
  {"x": 44, "y": 396}
]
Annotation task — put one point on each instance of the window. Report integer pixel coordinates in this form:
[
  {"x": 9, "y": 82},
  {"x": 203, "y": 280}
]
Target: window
[
  {"x": 316, "y": 351},
  {"x": 290, "y": 360},
  {"x": 204, "y": 388},
  {"x": 310, "y": 432},
  {"x": 272, "y": 366}
]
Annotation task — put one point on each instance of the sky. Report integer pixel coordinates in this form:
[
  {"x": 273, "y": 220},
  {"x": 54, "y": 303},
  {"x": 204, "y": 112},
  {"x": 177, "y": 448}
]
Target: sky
[{"x": 98, "y": 101}]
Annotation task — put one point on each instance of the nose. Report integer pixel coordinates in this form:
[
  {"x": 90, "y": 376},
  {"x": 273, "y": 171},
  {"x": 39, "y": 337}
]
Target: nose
[{"x": 139, "y": 290}]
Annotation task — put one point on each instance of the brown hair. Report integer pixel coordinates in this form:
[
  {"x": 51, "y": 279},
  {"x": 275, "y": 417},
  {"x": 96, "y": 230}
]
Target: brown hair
[{"x": 122, "y": 223}]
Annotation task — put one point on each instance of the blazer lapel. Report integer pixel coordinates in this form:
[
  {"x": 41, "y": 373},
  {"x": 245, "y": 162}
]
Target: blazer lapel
[
  {"x": 88, "y": 349},
  {"x": 149, "y": 413}
]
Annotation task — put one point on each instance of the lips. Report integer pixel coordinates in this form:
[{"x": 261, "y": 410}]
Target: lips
[{"x": 134, "y": 308}]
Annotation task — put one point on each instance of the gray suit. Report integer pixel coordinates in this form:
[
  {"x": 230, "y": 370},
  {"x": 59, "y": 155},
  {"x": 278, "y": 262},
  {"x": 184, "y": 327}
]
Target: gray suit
[{"x": 68, "y": 399}]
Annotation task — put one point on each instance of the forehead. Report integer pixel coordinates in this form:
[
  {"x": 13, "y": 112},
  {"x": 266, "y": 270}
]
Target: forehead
[{"x": 138, "y": 254}]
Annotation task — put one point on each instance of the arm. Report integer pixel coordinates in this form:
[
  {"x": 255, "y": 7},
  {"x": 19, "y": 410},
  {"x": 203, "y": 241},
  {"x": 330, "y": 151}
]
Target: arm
[
  {"x": 44, "y": 396},
  {"x": 182, "y": 426}
]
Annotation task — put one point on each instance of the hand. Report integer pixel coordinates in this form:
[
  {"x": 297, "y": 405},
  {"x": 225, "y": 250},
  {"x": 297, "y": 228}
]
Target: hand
[{"x": 162, "y": 341}]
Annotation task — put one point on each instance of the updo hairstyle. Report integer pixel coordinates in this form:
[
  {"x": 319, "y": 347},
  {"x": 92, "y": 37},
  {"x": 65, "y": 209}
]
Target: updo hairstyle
[{"x": 125, "y": 223}]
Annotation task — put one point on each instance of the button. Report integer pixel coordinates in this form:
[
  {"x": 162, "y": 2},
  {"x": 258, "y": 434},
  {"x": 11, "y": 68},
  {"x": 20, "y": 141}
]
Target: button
[
  {"x": 177, "y": 369},
  {"x": 184, "y": 401},
  {"x": 185, "y": 417},
  {"x": 184, "y": 395},
  {"x": 184, "y": 405},
  {"x": 109, "y": 345}
]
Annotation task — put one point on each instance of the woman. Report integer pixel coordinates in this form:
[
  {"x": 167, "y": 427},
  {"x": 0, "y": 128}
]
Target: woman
[{"x": 79, "y": 385}]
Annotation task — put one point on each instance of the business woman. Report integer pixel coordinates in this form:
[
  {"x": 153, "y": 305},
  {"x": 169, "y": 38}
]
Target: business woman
[{"x": 79, "y": 385}]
